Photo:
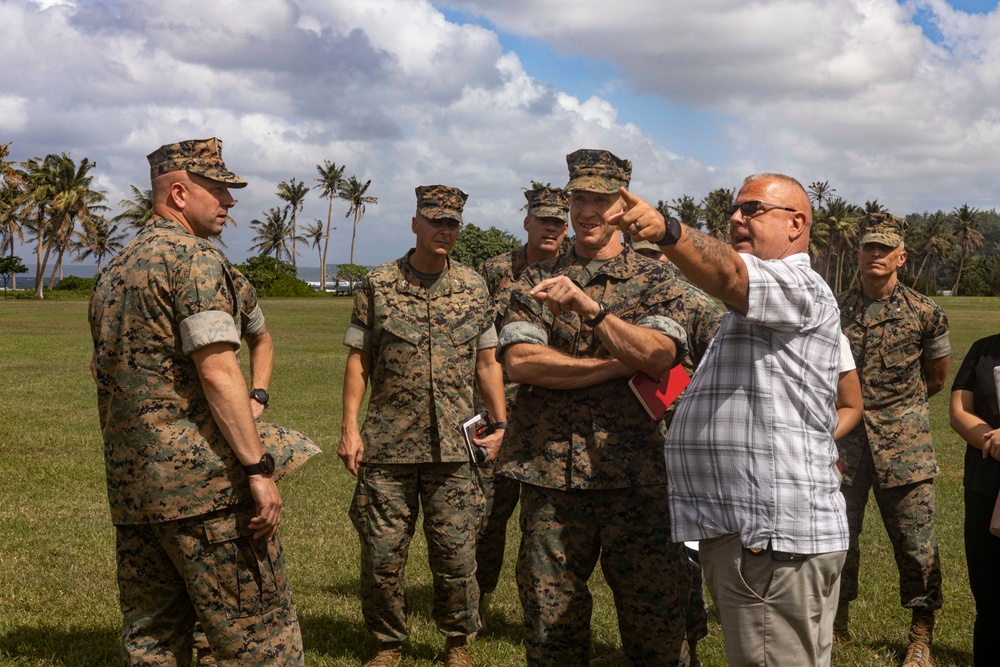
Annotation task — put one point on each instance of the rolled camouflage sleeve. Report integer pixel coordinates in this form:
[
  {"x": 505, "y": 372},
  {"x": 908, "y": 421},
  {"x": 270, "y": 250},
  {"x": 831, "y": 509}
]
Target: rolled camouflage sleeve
[
  {"x": 487, "y": 339},
  {"x": 937, "y": 341},
  {"x": 669, "y": 328},
  {"x": 205, "y": 302},
  {"x": 211, "y": 326},
  {"x": 358, "y": 338},
  {"x": 520, "y": 332},
  {"x": 255, "y": 322}
]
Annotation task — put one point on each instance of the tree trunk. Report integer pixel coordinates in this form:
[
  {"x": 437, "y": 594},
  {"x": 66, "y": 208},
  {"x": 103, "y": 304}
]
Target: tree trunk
[
  {"x": 55, "y": 268},
  {"x": 326, "y": 245},
  {"x": 958, "y": 276},
  {"x": 357, "y": 219},
  {"x": 916, "y": 278},
  {"x": 40, "y": 274},
  {"x": 294, "y": 234}
]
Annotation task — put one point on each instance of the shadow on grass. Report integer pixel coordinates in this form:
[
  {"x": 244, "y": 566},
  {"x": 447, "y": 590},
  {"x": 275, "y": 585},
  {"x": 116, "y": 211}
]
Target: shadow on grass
[{"x": 71, "y": 648}]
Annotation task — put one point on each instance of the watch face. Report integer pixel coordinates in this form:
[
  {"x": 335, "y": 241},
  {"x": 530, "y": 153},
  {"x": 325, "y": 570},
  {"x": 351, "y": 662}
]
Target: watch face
[{"x": 267, "y": 462}]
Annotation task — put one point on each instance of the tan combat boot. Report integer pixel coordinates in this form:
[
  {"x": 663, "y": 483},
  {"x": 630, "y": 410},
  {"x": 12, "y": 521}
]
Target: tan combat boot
[
  {"x": 918, "y": 653},
  {"x": 389, "y": 655},
  {"x": 841, "y": 631},
  {"x": 456, "y": 652}
]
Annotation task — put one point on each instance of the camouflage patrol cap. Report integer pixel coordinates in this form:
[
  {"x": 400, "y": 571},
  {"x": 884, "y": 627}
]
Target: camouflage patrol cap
[
  {"x": 289, "y": 448},
  {"x": 548, "y": 202},
  {"x": 640, "y": 246},
  {"x": 882, "y": 228},
  {"x": 199, "y": 156},
  {"x": 597, "y": 171},
  {"x": 440, "y": 201}
]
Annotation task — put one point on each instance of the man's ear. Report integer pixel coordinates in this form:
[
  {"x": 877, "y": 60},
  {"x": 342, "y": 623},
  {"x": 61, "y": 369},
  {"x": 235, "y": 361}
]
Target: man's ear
[
  {"x": 413, "y": 225},
  {"x": 526, "y": 218},
  {"x": 797, "y": 226},
  {"x": 178, "y": 195}
]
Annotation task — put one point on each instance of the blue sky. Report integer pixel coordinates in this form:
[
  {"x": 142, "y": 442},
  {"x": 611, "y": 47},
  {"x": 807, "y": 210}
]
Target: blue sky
[{"x": 886, "y": 100}]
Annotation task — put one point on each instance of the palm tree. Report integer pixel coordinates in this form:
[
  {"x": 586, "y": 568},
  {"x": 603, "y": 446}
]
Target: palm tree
[
  {"x": 274, "y": 232},
  {"x": 330, "y": 181},
  {"x": 353, "y": 191},
  {"x": 842, "y": 220},
  {"x": 687, "y": 210},
  {"x": 11, "y": 190},
  {"x": 933, "y": 241},
  {"x": 715, "y": 215},
  {"x": 314, "y": 236},
  {"x": 98, "y": 239},
  {"x": 293, "y": 192},
  {"x": 74, "y": 200},
  {"x": 968, "y": 237},
  {"x": 138, "y": 210},
  {"x": 57, "y": 193},
  {"x": 819, "y": 192}
]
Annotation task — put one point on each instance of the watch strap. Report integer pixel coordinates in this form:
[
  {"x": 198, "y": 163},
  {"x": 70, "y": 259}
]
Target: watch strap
[
  {"x": 601, "y": 314},
  {"x": 671, "y": 233}
]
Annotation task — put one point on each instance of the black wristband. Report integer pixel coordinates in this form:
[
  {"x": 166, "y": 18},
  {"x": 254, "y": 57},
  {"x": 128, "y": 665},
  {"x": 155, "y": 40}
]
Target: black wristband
[
  {"x": 601, "y": 314},
  {"x": 672, "y": 232},
  {"x": 496, "y": 426}
]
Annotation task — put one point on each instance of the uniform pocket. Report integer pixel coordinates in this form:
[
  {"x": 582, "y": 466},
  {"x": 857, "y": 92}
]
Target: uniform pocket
[
  {"x": 359, "y": 508},
  {"x": 249, "y": 572}
]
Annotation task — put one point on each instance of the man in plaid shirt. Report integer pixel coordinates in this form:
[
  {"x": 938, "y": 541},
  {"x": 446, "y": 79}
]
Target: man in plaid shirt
[{"x": 751, "y": 459}]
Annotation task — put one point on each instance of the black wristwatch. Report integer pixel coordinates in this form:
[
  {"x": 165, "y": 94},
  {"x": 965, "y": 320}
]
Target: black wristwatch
[
  {"x": 260, "y": 395},
  {"x": 263, "y": 467},
  {"x": 672, "y": 233},
  {"x": 601, "y": 314}
]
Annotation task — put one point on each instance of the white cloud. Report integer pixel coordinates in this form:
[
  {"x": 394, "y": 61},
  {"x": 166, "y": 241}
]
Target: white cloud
[{"x": 850, "y": 92}]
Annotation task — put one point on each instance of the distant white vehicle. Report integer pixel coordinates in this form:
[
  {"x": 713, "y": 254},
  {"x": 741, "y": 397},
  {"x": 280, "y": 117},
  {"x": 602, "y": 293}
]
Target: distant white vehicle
[{"x": 341, "y": 287}]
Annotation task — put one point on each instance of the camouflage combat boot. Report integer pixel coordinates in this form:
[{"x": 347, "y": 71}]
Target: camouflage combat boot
[
  {"x": 456, "y": 652},
  {"x": 389, "y": 655},
  {"x": 841, "y": 631},
  {"x": 918, "y": 653}
]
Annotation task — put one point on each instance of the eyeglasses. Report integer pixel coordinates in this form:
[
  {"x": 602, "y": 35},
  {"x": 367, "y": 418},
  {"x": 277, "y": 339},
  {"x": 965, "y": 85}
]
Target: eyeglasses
[
  {"x": 438, "y": 223},
  {"x": 751, "y": 208}
]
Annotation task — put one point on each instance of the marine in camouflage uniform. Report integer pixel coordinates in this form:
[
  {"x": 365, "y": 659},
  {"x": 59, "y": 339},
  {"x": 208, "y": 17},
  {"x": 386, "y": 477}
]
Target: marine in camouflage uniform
[
  {"x": 588, "y": 457},
  {"x": 254, "y": 331},
  {"x": 422, "y": 336},
  {"x": 900, "y": 343},
  {"x": 193, "y": 502},
  {"x": 546, "y": 224}
]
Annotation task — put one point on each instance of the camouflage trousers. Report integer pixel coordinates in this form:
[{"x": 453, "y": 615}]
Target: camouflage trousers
[
  {"x": 563, "y": 534},
  {"x": 908, "y": 516},
  {"x": 696, "y": 622},
  {"x": 384, "y": 511},
  {"x": 500, "y": 496},
  {"x": 209, "y": 569}
]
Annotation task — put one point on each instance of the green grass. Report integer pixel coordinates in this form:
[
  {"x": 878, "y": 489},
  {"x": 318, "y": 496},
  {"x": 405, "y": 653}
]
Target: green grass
[{"x": 59, "y": 606}]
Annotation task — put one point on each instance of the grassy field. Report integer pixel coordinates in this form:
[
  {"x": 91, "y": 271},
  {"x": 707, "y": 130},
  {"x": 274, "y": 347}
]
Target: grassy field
[{"x": 58, "y": 598}]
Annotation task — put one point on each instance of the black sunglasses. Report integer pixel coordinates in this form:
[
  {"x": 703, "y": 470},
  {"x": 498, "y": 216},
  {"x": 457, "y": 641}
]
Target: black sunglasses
[{"x": 750, "y": 208}]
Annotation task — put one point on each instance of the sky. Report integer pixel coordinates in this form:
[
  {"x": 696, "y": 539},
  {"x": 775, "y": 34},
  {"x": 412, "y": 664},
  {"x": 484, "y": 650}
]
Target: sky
[{"x": 895, "y": 101}]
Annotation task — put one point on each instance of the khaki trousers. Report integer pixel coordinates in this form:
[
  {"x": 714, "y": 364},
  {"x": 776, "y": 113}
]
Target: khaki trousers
[{"x": 773, "y": 612}]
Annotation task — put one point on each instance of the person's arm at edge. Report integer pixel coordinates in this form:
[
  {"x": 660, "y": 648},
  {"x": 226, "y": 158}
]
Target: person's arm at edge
[
  {"x": 850, "y": 406},
  {"x": 489, "y": 380},
  {"x": 261, "y": 348},
  {"x": 226, "y": 392},
  {"x": 540, "y": 365},
  {"x": 935, "y": 373},
  {"x": 356, "y": 372},
  {"x": 970, "y": 426},
  {"x": 707, "y": 262}
]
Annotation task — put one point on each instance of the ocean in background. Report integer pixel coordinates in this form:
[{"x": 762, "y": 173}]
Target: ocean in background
[{"x": 27, "y": 280}]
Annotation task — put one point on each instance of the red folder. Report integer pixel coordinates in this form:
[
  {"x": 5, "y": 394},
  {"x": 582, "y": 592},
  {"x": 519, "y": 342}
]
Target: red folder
[{"x": 657, "y": 395}]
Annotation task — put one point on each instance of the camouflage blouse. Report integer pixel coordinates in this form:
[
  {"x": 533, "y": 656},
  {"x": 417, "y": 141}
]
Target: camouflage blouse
[{"x": 166, "y": 294}]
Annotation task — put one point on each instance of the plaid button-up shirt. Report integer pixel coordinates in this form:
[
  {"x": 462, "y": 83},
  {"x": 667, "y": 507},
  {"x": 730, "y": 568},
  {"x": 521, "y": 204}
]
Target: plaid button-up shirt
[{"x": 751, "y": 450}]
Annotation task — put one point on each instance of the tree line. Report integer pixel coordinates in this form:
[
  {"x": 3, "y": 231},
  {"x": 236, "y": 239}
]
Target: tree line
[
  {"x": 51, "y": 202},
  {"x": 955, "y": 251}
]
